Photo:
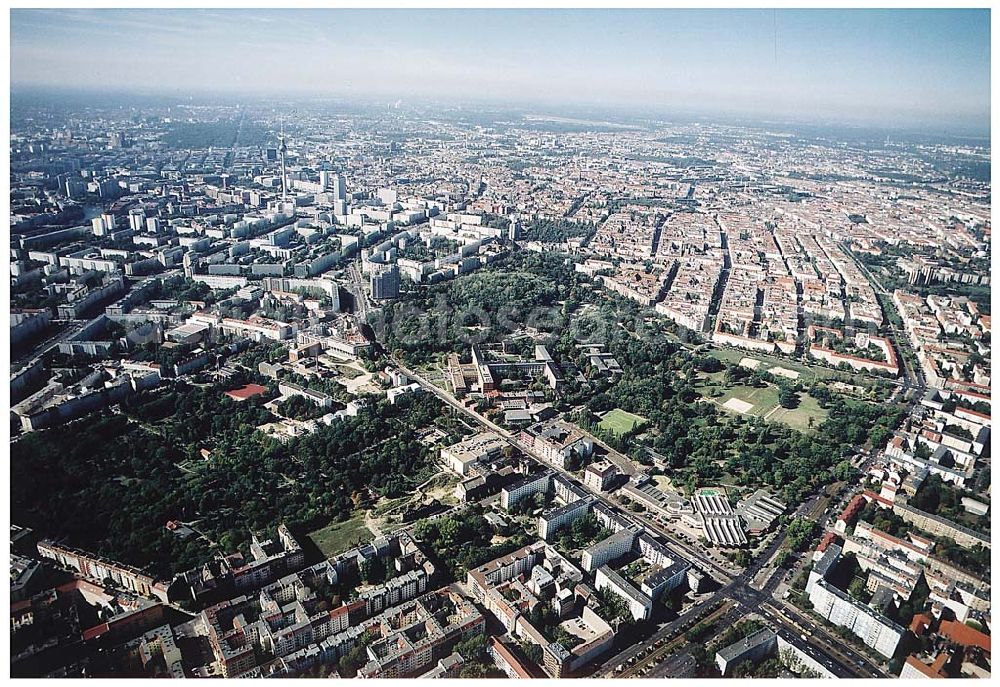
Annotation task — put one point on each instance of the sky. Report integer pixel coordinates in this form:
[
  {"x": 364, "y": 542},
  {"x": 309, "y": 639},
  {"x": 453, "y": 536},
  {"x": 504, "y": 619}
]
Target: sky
[{"x": 887, "y": 67}]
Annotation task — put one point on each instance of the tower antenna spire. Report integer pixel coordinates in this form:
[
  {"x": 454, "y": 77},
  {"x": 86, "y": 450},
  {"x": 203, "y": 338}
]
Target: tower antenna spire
[{"x": 281, "y": 151}]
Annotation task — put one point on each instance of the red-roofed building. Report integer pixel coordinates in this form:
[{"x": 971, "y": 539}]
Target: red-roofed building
[
  {"x": 920, "y": 623},
  {"x": 940, "y": 662},
  {"x": 881, "y": 501},
  {"x": 21, "y": 613},
  {"x": 245, "y": 392},
  {"x": 915, "y": 668},
  {"x": 896, "y": 447},
  {"x": 960, "y": 633},
  {"x": 828, "y": 539},
  {"x": 850, "y": 513},
  {"x": 932, "y": 436},
  {"x": 970, "y": 391},
  {"x": 128, "y": 625},
  {"x": 972, "y": 415}
]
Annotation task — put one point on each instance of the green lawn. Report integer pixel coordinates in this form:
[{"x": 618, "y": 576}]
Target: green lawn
[
  {"x": 619, "y": 422},
  {"x": 338, "y": 537},
  {"x": 763, "y": 400},
  {"x": 712, "y": 377},
  {"x": 349, "y": 371},
  {"x": 808, "y": 372},
  {"x": 798, "y": 418}
]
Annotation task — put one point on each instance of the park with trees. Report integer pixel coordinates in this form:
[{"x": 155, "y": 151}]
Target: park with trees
[{"x": 110, "y": 482}]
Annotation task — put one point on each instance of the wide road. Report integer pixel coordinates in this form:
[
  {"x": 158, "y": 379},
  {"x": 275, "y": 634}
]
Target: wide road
[
  {"x": 692, "y": 553},
  {"x": 358, "y": 289},
  {"x": 735, "y": 587},
  {"x": 68, "y": 328},
  {"x": 728, "y": 612},
  {"x": 913, "y": 376}
]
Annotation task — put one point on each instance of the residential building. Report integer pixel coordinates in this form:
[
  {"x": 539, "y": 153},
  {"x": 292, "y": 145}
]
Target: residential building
[{"x": 873, "y": 628}]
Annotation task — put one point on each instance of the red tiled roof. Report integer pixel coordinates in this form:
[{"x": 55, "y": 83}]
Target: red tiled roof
[
  {"x": 856, "y": 505},
  {"x": 76, "y": 584},
  {"x": 939, "y": 662},
  {"x": 872, "y": 496},
  {"x": 920, "y": 623},
  {"x": 970, "y": 411},
  {"x": 828, "y": 538},
  {"x": 95, "y": 631},
  {"x": 969, "y": 389},
  {"x": 960, "y": 633},
  {"x": 927, "y": 670},
  {"x": 896, "y": 541},
  {"x": 892, "y": 364}
]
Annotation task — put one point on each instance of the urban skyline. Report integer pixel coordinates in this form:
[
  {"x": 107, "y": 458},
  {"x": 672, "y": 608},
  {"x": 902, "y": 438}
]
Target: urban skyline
[{"x": 896, "y": 67}]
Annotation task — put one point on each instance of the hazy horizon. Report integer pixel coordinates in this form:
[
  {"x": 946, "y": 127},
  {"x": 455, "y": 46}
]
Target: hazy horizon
[{"x": 892, "y": 68}]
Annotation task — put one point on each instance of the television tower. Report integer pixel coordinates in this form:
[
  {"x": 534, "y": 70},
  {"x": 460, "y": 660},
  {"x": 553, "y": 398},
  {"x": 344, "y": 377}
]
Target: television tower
[{"x": 282, "y": 149}]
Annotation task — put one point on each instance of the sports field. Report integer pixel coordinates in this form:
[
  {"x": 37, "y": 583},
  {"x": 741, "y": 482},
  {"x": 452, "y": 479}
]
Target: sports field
[
  {"x": 766, "y": 362},
  {"x": 738, "y": 405},
  {"x": 619, "y": 422},
  {"x": 764, "y": 403}
]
